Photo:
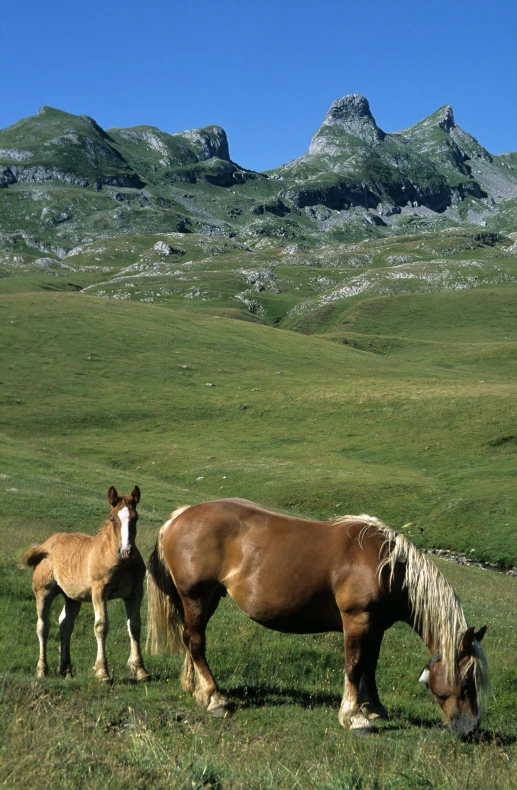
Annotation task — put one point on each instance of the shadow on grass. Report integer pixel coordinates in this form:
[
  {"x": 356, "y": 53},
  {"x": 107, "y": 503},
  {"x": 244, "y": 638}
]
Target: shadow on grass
[
  {"x": 265, "y": 695},
  {"x": 494, "y": 739}
]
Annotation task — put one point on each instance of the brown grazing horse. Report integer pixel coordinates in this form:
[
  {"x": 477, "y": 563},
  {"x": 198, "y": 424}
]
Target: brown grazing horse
[
  {"x": 85, "y": 568},
  {"x": 353, "y": 574}
]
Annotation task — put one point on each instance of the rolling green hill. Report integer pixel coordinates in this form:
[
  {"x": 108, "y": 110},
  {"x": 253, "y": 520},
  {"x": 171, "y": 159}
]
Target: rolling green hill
[{"x": 410, "y": 415}]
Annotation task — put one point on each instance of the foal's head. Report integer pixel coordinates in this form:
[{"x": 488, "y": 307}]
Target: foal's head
[
  {"x": 123, "y": 517},
  {"x": 459, "y": 698}
]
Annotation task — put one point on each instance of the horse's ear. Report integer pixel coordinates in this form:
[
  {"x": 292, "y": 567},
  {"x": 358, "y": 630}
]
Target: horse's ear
[
  {"x": 468, "y": 640},
  {"x": 112, "y": 496},
  {"x": 480, "y": 634},
  {"x": 135, "y": 494}
]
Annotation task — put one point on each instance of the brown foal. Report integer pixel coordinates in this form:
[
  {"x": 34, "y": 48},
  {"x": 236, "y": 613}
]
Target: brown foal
[
  {"x": 353, "y": 574},
  {"x": 97, "y": 569}
]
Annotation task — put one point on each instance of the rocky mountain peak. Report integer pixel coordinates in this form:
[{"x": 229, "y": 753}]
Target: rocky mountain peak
[
  {"x": 352, "y": 115},
  {"x": 348, "y": 109},
  {"x": 446, "y": 121},
  {"x": 208, "y": 141}
]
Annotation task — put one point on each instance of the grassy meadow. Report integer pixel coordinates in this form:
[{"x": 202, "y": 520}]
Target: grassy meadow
[{"x": 401, "y": 406}]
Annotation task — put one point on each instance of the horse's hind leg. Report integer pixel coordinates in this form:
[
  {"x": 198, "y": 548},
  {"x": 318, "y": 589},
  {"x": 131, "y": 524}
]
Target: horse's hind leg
[
  {"x": 136, "y": 663},
  {"x": 188, "y": 674},
  {"x": 197, "y": 612},
  {"x": 67, "y": 620},
  {"x": 44, "y": 598}
]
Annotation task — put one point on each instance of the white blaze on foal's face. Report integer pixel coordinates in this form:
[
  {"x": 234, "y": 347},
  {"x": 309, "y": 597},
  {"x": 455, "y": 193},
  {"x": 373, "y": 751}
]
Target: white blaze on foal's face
[{"x": 123, "y": 515}]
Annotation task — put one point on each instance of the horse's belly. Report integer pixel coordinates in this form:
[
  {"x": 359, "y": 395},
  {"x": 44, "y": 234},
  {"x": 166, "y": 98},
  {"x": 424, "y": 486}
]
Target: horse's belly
[
  {"x": 298, "y": 625},
  {"x": 75, "y": 590},
  {"x": 316, "y": 615}
]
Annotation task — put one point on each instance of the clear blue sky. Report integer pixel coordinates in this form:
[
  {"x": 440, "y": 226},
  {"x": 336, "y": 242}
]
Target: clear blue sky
[{"x": 266, "y": 71}]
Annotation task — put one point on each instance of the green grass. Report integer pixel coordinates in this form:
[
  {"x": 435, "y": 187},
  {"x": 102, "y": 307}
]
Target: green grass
[
  {"x": 416, "y": 428},
  {"x": 286, "y": 691}
]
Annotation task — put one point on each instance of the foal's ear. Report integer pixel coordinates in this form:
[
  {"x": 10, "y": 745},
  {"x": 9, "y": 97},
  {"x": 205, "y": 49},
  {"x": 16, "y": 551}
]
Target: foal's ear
[
  {"x": 135, "y": 494},
  {"x": 112, "y": 496}
]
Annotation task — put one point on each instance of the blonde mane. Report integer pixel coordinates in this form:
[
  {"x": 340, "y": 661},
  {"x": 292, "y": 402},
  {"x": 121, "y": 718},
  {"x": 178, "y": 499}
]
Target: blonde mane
[{"x": 436, "y": 609}]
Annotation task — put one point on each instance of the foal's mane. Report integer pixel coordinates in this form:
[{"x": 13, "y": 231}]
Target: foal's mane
[{"x": 437, "y": 611}]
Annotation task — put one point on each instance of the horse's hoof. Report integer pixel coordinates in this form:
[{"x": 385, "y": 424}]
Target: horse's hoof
[
  {"x": 42, "y": 673},
  {"x": 141, "y": 674},
  {"x": 219, "y": 709},
  {"x": 220, "y": 712},
  {"x": 360, "y": 725},
  {"x": 362, "y": 732}
]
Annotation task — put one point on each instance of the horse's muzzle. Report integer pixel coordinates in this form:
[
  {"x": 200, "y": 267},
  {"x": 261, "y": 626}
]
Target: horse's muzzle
[
  {"x": 463, "y": 727},
  {"x": 125, "y": 553}
]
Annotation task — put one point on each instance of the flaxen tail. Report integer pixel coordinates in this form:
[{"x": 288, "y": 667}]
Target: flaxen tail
[
  {"x": 32, "y": 556},
  {"x": 164, "y": 606}
]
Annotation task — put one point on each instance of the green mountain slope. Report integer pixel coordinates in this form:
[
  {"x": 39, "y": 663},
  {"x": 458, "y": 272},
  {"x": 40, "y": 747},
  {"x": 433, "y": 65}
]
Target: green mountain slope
[{"x": 422, "y": 433}]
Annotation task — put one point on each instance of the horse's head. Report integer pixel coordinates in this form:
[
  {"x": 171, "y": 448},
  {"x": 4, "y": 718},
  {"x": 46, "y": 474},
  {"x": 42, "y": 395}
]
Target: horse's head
[
  {"x": 123, "y": 517},
  {"x": 459, "y": 697}
]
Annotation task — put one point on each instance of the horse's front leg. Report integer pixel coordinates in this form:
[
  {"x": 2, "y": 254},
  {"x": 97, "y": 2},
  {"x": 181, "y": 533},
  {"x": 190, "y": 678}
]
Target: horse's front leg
[
  {"x": 101, "y": 628},
  {"x": 356, "y": 631},
  {"x": 67, "y": 620},
  {"x": 136, "y": 663},
  {"x": 369, "y": 700}
]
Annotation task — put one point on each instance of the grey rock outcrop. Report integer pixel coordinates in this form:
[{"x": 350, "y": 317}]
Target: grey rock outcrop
[
  {"x": 207, "y": 142},
  {"x": 15, "y": 154}
]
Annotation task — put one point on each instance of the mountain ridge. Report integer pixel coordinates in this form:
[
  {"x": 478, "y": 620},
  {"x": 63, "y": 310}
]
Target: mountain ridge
[{"x": 353, "y": 177}]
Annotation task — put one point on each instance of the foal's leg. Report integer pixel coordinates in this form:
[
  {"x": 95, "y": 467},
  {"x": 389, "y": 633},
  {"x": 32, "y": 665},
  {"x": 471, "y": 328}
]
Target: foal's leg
[
  {"x": 66, "y": 626},
  {"x": 135, "y": 662},
  {"x": 368, "y": 695},
  {"x": 356, "y": 633},
  {"x": 197, "y": 612},
  {"x": 101, "y": 629},
  {"x": 44, "y": 598}
]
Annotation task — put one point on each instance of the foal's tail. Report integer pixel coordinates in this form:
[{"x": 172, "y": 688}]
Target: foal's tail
[
  {"x": 32, "y": 556},
  {"x": 164, "y": 606}
]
